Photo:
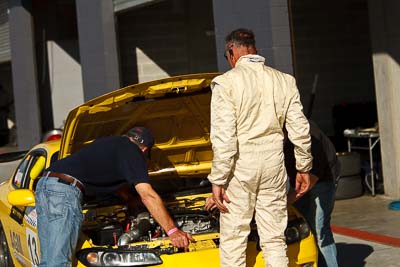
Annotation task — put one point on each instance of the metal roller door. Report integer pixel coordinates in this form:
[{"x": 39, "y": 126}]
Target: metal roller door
[{"x": 4, "y": 33}]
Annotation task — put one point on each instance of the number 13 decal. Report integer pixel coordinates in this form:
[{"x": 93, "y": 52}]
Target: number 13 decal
[{"x": 33, "y": 246}]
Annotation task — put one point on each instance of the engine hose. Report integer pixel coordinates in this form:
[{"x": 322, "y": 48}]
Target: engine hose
[
  {"x": 128, "y": 227},
  {"x": 157, "y": 234}
]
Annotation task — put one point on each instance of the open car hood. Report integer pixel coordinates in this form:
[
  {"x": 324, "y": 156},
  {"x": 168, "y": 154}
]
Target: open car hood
[{"x": 176, "y": 110}]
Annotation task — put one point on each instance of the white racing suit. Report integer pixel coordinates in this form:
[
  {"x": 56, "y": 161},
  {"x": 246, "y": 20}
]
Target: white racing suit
[{"x": 250, "y": 105}]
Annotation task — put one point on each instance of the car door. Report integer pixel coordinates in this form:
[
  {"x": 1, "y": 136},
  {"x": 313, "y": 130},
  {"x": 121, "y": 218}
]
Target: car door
[{"x": 23, "y": 219}]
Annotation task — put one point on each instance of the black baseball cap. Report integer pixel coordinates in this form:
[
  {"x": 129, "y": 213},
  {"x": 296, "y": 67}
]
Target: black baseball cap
[{"x": 142, "y": 135}]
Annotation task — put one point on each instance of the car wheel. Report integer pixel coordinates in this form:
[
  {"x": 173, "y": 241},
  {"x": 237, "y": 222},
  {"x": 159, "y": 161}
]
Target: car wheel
[{"x": 5, "y": 256}]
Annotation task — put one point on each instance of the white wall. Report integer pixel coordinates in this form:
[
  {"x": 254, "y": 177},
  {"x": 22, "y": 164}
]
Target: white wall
[
  {"x": 385, "y": 35},
  {"x": 65, "y": 79}
]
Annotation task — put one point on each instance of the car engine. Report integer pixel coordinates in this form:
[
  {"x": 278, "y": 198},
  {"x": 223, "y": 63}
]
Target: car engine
[
  {"x": 112, "y": 226},
  {"x": 144, "y": 228}
]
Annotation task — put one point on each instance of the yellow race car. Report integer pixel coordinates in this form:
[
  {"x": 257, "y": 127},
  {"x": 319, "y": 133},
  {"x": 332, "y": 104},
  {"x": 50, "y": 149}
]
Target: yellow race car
[{"x": 177, "y": 111}]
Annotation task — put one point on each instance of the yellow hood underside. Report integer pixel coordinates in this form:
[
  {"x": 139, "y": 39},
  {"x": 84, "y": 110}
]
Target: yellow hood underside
[{"x": 176, "y": 110}]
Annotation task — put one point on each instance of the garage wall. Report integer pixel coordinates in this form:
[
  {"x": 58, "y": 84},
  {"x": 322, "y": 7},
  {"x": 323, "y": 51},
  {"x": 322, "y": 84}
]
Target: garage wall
[
  {"x": 65, "y": 77},
  {"x": 332, "y": 46},
  {"x": 166, "y": 39},
  {"x": 57, "y": 53},
  {"x": 269, "y": 19},
  {"x": 385, "y": 33}
]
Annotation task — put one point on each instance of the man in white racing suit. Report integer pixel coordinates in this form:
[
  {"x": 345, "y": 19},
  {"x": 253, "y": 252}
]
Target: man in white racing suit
[{"x": 250, "y": 106}]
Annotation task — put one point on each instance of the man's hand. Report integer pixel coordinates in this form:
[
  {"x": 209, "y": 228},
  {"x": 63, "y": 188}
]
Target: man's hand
[
  {"x": 210, "y": 204},
  {"x": 219, "y": 196},
  {"x": 293, "y": 196},
  {"x": 302, "y": 183},
  {"x": 156, "y": 207},
  {"x": 181, "y": 239}
]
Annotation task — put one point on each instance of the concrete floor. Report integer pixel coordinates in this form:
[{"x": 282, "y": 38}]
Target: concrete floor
[
  {"x": 364, "y": 219},
  {"x": 367, "y": 213},
  {"x": 353, "y": 252}
]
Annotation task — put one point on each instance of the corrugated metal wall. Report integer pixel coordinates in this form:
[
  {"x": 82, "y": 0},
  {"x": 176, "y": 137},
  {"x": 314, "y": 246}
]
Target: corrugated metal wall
[{"x": 5, "y": 54}]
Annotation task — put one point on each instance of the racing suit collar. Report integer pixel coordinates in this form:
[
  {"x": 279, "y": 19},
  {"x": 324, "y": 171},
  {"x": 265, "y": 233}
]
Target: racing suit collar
[{"x": 251, "y": 58}]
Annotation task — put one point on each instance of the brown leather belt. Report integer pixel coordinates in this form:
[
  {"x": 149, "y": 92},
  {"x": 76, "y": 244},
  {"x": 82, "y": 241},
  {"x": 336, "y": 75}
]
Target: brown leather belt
[{"x": 66, "y": 179}]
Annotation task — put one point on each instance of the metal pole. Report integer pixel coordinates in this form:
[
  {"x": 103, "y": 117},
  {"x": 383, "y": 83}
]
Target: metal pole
[
  {"x": 371, "y": 162},
  {"x": 348, "y": 145}
]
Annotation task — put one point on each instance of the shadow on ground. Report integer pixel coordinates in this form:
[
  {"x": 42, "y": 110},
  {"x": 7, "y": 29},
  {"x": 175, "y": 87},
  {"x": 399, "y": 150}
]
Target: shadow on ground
[{"x": 352, "y": 255}]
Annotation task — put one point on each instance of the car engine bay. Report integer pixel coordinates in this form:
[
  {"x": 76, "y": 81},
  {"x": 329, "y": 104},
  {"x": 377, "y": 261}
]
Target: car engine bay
[
  {"x": 117, "y": 226},
  {"x": 115, "y": 234}
]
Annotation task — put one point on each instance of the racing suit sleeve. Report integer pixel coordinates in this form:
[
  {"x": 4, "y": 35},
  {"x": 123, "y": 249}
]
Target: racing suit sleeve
[
  {"x": 222, "y": 134},
  {"x": 298, "y": 130}
]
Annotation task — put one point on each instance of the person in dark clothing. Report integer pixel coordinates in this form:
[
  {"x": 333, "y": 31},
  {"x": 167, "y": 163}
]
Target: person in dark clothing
[
  {"x": 4, "y": 104},
  {"x": 317, "y": 204},
  {"x": 103, "y": 167}
]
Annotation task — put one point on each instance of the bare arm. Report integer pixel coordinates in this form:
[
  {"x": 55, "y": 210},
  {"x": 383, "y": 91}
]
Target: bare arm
[{"x": 156, "y": 207}]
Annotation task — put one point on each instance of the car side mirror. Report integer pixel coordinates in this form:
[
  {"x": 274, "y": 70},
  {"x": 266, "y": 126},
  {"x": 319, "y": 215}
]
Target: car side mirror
[{"x": 21, "y": 197}]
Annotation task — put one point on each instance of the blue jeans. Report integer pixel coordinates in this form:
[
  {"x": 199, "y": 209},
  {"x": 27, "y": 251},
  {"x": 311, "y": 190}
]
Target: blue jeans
[
  {"x": 60, "y": 217},
  {"x": 317, "y": 206}
]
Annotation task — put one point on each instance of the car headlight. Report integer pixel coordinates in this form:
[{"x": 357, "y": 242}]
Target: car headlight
[
  {"x": 117, "y": 257},
  {"x": 296, "y": 230}
]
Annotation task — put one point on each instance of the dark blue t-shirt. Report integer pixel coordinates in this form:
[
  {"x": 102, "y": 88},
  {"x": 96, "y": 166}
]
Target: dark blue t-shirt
[{"x": 105, "y": 165}]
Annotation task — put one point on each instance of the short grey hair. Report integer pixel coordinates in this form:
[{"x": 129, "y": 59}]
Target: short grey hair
[{"x": 240, "y": 37}]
